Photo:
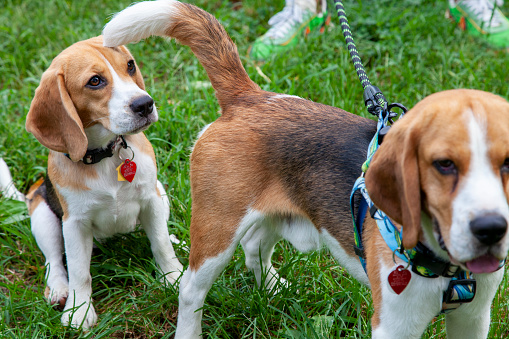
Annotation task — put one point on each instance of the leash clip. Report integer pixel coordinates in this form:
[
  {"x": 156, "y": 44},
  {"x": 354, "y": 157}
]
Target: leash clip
[
  {"x": 374, "y": 100},
  {"x": 390, "y": 116}
]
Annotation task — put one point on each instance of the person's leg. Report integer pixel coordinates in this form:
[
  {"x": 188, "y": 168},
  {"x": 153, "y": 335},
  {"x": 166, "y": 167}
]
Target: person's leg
[
  {"x": 297, "y": 16},
  {"x": 483, "y": 19}
]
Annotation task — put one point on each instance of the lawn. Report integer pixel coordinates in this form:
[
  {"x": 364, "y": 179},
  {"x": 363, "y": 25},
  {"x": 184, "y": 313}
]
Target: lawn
[{"x": 410, "y": 51}]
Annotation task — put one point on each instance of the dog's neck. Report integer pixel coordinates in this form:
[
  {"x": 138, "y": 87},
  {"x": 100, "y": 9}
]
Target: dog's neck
[
  {"x": 99, "y": 137},
  {"x": 102, "y": 144},
  {"x": 429, "y": 238}
]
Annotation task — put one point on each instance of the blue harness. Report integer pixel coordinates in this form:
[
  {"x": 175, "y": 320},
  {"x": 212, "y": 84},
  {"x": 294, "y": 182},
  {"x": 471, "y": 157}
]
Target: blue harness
[{"x": 462, "y": 286}]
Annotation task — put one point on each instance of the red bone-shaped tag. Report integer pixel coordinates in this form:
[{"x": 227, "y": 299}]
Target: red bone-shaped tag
[
  {"x": 399, "y": 279},
  {"x": 128, "y": 170}
]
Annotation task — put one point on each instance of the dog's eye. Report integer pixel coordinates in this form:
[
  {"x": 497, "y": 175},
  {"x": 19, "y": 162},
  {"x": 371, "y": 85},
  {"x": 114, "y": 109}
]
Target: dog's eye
[
  {"x": 445, "y": 166},
  {"x": 131, "y": 67},
  {"x": 95, "y": 82}
]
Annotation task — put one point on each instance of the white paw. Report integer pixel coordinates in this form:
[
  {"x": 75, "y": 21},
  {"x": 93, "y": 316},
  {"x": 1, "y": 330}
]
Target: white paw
[
  {"x": 57, "y": 294},
  {"x": 79, "y": 315},
  {"x": 57, "y": 289},
  {"x": 276, "y": 284}
]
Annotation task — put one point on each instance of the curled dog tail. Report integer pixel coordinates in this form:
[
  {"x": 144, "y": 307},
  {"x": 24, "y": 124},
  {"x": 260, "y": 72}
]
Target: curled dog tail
[
  {"x": 190, "y": 26},
  {"x": 7, "y": 187}
]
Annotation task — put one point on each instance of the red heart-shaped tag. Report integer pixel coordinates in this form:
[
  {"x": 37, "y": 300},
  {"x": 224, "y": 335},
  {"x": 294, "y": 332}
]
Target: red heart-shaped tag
[
  {"x": 128, "y": 170},
  {"x": 399, "y": 279}
]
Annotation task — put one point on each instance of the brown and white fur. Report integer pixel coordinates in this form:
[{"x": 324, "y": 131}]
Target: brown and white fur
[
  {"x": 77, "y": 202},
  {"x": 275, "y": 166}
]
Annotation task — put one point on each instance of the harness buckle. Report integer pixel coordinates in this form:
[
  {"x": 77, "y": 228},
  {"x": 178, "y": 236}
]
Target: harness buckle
[{"x": 458, "y": 292}]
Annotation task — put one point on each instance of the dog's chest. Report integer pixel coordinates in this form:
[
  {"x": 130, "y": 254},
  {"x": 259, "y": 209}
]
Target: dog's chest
[{"x": 114, "y": 206}]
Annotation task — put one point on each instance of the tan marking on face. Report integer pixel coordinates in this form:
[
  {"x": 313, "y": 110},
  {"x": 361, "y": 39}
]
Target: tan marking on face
[
  {"x": 437, "y": 128},
  {"x": 498, "y": 134},
  {"x": 92, "y": 104},
  {"x": 64, "y": 105},
  {"x": 448, "y": 137}
]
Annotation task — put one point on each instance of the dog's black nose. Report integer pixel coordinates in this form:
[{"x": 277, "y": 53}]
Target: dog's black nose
[
  {"x": 489, "y": 229},
  {"x": 142, "y": 106}
]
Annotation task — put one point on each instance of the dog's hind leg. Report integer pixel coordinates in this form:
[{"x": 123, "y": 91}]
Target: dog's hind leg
[
  {"x": 213, "y": 242},
  {"x": 47, "y": 230},
  {"x": 258, "y": 244}
]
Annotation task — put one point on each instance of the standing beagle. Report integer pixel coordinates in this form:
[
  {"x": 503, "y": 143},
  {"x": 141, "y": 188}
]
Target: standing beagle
[
  {"x": 275, "y": 166},
  {"x": 90, "y": 110}
]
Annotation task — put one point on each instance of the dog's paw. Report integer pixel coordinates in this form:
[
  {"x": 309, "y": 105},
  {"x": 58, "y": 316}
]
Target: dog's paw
[
  {"x": 276, "y": 284},
  {"x": 81, "y": 316},
  {"x": 57, "y": 295}
]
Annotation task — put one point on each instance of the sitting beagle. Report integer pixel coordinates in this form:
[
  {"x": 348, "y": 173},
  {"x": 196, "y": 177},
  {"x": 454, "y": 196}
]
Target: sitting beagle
[
  {"x": 275, "y": 166},
  {"x": 90, "y": 110}
]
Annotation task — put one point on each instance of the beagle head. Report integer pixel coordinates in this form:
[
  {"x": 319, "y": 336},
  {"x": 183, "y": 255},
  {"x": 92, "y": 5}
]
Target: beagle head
[
  {"x": 442, "y": 173},
  {"x": 88, "y": 96}
]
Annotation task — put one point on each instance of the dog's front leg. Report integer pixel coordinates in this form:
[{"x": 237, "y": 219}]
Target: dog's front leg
[
  {"x": 407, "y": 314},
  {"x": 78, "y": 239},
  {"x": 47, "y": 231},
  {"x": 153, "y": 220},
  {"x": 472, "y": 320}
]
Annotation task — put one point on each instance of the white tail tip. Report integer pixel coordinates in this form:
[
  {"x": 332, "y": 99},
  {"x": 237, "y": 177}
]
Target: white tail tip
[{"x": 138, "y": 22}]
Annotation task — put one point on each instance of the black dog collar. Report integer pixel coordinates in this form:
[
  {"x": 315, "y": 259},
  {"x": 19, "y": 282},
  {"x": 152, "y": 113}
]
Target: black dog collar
[{"x": 94, "y": 156}]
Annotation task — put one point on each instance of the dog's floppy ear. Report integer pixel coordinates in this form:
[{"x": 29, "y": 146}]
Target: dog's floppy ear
[
  {"x": 392, "y": 179},
  {"x": 53, "y": 119}
]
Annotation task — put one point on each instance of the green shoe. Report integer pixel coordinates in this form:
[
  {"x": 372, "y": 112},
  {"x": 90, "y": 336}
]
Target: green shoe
[
  {"x": 481, "y": 18},
  {"x": 286, "y": 27}
]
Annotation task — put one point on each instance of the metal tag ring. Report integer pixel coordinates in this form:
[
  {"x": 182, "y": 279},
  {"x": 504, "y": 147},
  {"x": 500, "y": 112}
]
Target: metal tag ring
[{"x": 120, "y": 156}]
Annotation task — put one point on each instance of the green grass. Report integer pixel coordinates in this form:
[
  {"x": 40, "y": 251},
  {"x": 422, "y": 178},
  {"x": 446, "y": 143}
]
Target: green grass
[{"x": 410, "y": 51}]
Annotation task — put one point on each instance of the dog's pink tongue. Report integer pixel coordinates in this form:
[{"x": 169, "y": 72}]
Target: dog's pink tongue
[{"x": 484, "y": 264}]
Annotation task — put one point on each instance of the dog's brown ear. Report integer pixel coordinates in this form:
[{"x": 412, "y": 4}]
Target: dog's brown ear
[
  {"x": 53, "y": 119},
  {"x": 392, "y": 180}
]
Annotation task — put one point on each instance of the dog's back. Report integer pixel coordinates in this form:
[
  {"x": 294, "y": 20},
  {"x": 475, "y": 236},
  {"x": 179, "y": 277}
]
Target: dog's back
[{"x": 272, "y": 166}]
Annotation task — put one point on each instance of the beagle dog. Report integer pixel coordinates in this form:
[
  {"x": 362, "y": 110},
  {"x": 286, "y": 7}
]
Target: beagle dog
[
  {"x": 276, "y": 166},
  {"x": 90, "y": 110}
]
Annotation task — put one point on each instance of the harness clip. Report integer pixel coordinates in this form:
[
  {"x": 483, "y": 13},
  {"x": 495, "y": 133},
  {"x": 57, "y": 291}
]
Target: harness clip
[{"x": 459, "y": 292}]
